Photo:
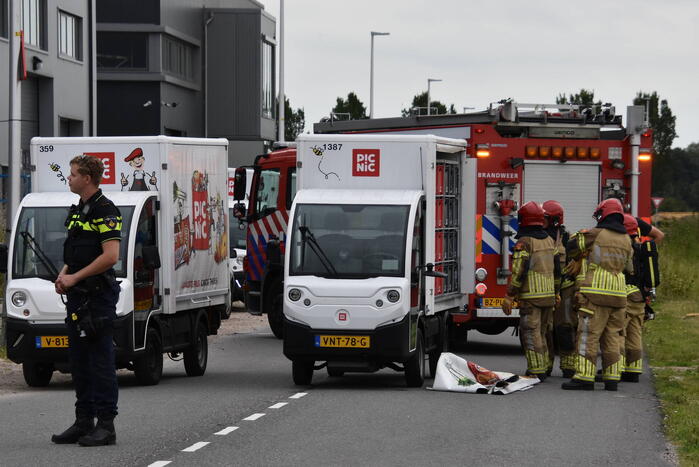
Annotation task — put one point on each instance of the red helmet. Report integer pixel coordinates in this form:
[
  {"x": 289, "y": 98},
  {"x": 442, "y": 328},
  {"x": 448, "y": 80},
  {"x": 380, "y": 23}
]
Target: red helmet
[
  {"x": 554, "y": 211},
  {"x": 530, "y": 214},
  {"x": 631, "y": 225},
  {"x": 607, "y": 207}
]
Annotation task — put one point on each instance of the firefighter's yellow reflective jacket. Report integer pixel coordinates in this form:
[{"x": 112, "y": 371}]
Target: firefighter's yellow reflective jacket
[{"x": 533, "y": 271}]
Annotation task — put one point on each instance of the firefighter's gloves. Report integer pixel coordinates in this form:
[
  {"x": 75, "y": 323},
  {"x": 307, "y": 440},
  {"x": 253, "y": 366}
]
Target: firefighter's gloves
[
  {"x": 507, "y": 305},
  {"x": 558, "y": 299}
]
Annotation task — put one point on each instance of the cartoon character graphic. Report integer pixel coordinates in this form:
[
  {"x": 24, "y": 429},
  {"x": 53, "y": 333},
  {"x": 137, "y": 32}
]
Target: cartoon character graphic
[
  {"x": 136, "y": 160},
  {"x": 57, "y": 168},
  {"x": 183, "y": 234}
]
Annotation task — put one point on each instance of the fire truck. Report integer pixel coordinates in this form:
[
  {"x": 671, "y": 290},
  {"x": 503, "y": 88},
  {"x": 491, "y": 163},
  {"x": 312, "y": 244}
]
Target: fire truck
[{"x": 524, "y": 152}]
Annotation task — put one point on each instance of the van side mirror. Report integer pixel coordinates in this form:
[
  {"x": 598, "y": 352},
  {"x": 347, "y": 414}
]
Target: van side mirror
[
  {"x": 3, "y": 259},
  {"x": 239, "y": 184},
  {"x": 429, "y": 271},
  {"x": 151, "y": 257}
]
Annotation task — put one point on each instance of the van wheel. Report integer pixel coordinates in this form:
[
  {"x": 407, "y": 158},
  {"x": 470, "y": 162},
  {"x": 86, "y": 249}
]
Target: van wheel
[
  {"x": 37, "y": 374},
  {"x": 302, "y": 372},
  {"x": 274, "y": 309},
  {"x": 415, "y": 366},
  {"x": 148, "y": 367},
  {"x": 196, "y": 358}
]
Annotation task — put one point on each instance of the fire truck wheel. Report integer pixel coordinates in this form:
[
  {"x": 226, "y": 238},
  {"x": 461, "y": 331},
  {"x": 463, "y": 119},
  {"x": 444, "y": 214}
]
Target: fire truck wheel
[
  {"x": 37, "y": 374},
  {"x": 442, "y": 345},
  {"x": 458, "y": 336},
  {"x": 197, "y": 356},
  {"x": 302, "y": 372},
  {"x": 275, "y": 313},
  {"x": 148, "y": 368},
  {"x": 415, "y": 366}
]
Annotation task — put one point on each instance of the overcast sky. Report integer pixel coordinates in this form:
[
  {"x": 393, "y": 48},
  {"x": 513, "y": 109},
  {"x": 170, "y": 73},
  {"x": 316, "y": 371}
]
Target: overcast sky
[{"x": 488, "y": 50}]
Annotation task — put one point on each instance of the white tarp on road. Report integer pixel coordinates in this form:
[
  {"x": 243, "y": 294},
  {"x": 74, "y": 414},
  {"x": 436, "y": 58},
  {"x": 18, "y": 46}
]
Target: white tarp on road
[{"x": 459, "y": 375}]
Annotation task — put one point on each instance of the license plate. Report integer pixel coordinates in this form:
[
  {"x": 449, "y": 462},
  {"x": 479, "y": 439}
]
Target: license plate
[
  {"x": 43, "y": 342},
  {"x": 495, "y": 302},
  {"x": 351, "y": 342}
]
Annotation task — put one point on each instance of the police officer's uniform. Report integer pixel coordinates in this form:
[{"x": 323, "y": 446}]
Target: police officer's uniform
[{"x": 91, "y": 310}]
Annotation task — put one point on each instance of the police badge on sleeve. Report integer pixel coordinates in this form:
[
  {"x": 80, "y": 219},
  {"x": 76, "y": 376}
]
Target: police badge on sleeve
[{"x": 111, "y": 222}]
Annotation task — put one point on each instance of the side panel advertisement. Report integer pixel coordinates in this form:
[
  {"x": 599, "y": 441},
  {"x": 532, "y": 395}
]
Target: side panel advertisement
[{"x": 199, "y": 185}]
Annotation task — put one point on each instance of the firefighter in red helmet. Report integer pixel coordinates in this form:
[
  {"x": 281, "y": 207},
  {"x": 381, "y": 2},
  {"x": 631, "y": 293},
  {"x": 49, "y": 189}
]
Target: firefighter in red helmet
[
  {"x": 565, "y": 320},
  {"x": 631, "y": 343},
  {"x": 532, "y": 286},
  {"x": 607, "y": 252}
]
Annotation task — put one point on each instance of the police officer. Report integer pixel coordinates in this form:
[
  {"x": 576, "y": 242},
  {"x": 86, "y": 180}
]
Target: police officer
[
  {"x": 532, "y": 285},
  {"x": 87, "y": 278},
  {"x": 565, "y": 321},
  {"x": 602, "y": 296}
]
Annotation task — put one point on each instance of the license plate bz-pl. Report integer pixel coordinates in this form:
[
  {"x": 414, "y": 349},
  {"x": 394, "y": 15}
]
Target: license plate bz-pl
[
  {"x": 494, "y": 302},
  {"x": 351, "y": 342},
  {"x": 43, "y": 342}
]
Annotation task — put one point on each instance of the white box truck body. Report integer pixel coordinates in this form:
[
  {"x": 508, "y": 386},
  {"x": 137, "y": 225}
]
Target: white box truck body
[
  {"x": 368, "y": 280},
  {"x": 172, "y": 194}
]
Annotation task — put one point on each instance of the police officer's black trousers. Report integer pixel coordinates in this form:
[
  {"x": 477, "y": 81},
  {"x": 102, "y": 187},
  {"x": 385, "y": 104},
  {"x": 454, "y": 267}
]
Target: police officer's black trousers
[{"x": 92, "y": 361}]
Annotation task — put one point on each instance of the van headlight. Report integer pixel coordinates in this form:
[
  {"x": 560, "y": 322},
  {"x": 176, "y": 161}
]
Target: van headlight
[
  {"x": 294, "y": 295},
  {"x": 393, "y": 296},
  {"x": 19, "y": 299}
]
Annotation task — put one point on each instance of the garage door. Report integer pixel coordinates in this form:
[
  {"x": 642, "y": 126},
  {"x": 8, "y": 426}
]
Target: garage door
[{"x": 574, "y": 185}]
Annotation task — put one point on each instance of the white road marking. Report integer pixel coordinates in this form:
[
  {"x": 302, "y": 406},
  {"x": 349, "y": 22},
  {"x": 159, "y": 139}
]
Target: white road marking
[
  {"x": 159, "y": 463},
  {"x": 226, "y": 430},
  {"x": 196, "y": 446},
  {"x": 278, "y": 405},
  {"x": 254, "y": 417},
  {"x": 298, "y": 395}
]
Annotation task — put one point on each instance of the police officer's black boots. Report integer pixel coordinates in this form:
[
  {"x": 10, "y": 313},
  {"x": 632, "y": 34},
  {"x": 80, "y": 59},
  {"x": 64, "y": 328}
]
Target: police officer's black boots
[
  {"x": 81, "y": 427},
  {"x": 102, "y": 435},
  {"x": 577, "y": 385}
]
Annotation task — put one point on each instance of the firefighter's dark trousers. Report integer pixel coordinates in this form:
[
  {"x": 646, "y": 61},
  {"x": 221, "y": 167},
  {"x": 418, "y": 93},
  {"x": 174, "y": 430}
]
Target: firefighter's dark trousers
[{"x": 533, "y": 324}]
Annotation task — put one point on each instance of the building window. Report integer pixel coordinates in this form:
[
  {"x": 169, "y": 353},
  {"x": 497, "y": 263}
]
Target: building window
[
  {"x": 69, "y": 36},
  {"x": 4, "y": 18},
  {"x": 122, "y": 51},
  {"x": 34, "y": 22},
  {"x": 267, "y": 80},
  {"x": 178, "y": 58}
]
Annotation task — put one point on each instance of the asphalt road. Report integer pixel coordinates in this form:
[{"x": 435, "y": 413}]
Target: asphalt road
[{"x": 246, "y": 411}]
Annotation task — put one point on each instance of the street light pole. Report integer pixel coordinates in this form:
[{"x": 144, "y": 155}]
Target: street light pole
[
  {"x": 282, "y": 121},
  {"x": 430, "y": 81},
  {"x": 371, "y": 72}
]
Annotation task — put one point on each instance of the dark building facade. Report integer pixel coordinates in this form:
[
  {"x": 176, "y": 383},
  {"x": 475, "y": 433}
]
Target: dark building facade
[{"x": 188, "y": 68}]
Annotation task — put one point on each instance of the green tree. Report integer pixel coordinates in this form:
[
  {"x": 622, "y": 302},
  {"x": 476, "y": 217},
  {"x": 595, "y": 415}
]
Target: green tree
[
  {"x": 352, "y": 106},
  {"x": 420, "y": 102},
  {"x": 585, "y": 98},
  {"x": 294, "y": 121},
  {"x": 661, "y": 120}
]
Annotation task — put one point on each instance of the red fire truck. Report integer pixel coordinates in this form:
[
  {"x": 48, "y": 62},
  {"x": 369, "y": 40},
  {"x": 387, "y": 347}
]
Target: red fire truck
[{"x": 525, "y": 152}]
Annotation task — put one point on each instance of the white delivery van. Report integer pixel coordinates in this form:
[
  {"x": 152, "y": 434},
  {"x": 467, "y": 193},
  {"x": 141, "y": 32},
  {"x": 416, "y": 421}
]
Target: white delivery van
[
  {"x": 171, "y": 193},
  {"x": 237, "y": 240},
  {"x": 380, "y": 248}
]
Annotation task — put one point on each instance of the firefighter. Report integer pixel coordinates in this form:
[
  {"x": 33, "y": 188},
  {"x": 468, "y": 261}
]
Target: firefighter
[
  {"x": 532, "y": 286},
  {"x": 565, "y": 321},
  {"x": 631, "y": 346},
  {"x": 602, "y": 296}
]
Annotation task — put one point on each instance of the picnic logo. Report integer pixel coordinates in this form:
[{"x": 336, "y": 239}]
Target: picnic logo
[{"x": 366, "y": 162}]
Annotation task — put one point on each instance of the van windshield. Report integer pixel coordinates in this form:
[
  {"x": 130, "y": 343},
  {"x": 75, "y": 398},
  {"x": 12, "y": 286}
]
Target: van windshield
[
  {"x": 349, "y": 241},
  {"x": 235, "y": 233},
  {"x": 46, "y": 225}
]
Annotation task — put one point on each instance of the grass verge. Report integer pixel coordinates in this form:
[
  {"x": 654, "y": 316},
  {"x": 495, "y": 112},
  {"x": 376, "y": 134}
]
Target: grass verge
[{"x": 672, "y": 339}]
